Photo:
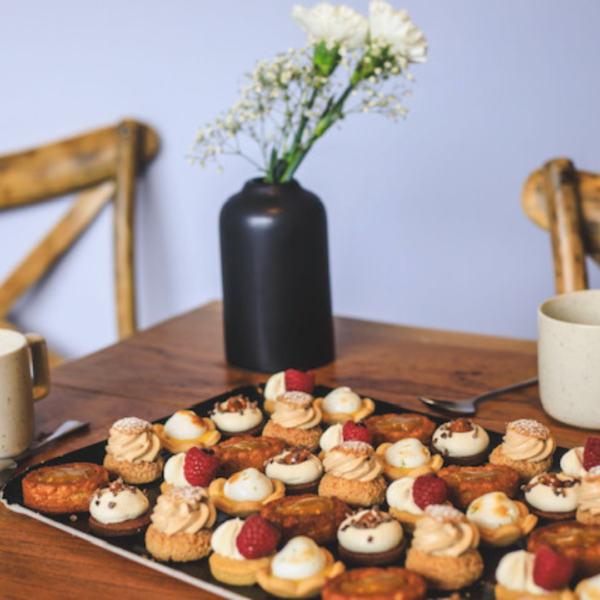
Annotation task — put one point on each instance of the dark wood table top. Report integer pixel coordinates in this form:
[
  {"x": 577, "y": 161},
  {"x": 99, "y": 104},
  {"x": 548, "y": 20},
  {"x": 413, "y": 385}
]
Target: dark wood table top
[{"x": 181, "y": 362}]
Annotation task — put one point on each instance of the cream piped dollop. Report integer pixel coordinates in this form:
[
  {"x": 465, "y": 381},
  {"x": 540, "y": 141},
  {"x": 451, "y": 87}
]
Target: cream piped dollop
[
  {"x": 370, "y": 531},
  {"x": 526, "y": 439},
  {"x": 354, "y": 461},
  {"x": 589, "y": 589},
  {"x": 331, "y": 437},
  {"x": 173, "y": 472},
  {"x": 589, "y": 493},
  {"x": 399, "y": 495},
  {"x": 185, "y": 425},
  {"x": 515, "y": 572},
  {"x": 460, "y": 444},
  {"x": 133, "y": 440},
  {"x": 183, "y": 510},
  {"x": 493, "y": 510},
  {"x": 118, "y": 503},
  {"x": 249, "y": 484},
  {"x": 551, "y": 492},
  {"x": 407, "y": 454},
  {"x": 294, "y": 467},
  {"x": 444, "y": 531},
  {"x": 296, "y": 410},
  {"x": 224, "y": 539},
  {"x": 572, "y": 463},
  {"x": 299, "y": 559},
  {"x": 342, "y": 400},
  {"x": 275, "y": 386}
]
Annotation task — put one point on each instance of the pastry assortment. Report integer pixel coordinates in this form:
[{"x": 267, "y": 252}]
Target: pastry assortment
[{"x": 404, "y": 504}]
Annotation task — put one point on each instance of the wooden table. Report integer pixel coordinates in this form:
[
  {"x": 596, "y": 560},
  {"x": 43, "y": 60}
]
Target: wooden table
[{"x": 181, "y": 362}]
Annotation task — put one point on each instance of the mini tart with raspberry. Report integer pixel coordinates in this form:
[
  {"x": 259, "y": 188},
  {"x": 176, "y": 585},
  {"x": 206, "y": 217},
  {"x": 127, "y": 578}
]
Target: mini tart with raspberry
[
  {"x": 299, "y": 570},
  {"x": 408, "y": 458},
  {"x": 237, "y": 416},
  {"x": 185, "y": 430},
  {"x": 500, "y": 520},
  {"x": 63, "y": 488},
  {"x": 552, "y": 496},
  {"x": 391, "y": 428},
  {"x": 391, "y": 583},
  {"x": 466, "y": 484},
  {"x": 461, "y": 442},
  {"x": 298, "y": 469},
  {"x": 239, "y": 453},
  {"x": 244, "y": 492},
  {"x": 286, "y": 381},
  {"x": 371, "y": 538},
  {"x": 528, "y": 448},
  {"x": 580, "y": 542},
  {"x": 314, "y": 516},
  {"x": 342, "y": 404}
]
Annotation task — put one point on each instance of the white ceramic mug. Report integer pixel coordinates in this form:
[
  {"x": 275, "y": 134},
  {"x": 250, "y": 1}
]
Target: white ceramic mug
[
  {"x": 24, "y": 378},
  {"x": 569, "y": 358}
]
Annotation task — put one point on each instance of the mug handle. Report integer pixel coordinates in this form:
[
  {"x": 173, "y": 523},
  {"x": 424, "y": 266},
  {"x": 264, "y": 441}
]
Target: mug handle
[{"x": 40, "y": 365}]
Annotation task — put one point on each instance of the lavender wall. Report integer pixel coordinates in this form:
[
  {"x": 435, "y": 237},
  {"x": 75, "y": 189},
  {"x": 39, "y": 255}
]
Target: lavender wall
[{"x": 425, "y": 222}]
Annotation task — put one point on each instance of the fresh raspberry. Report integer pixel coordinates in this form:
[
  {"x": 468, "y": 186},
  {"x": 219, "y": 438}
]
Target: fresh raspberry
[
  {"x": 429, "y": 489},
  {"x": 200, "y": 466},
  {"x": 257, "y": 537},
  {"x": 551, "y": 571},
  {"x": 591, "y": 453},
  {"x": 356, "y": 432},
  {"x": 299, "y": 381}
]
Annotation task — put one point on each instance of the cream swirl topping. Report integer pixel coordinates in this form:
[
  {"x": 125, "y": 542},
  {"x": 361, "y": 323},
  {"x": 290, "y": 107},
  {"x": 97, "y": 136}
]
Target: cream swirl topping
[
  {"x": 296, "y": 410},
  {"x": 354, "y": 461},
  {"x": 589, "y": 493},
  {"x": 370, "y": 531},
  {"x": 572, "y": 462},
  {"x": 515, "y": 572},
  {"x": 133, "y": 444},
  {"x": 118, "y": 503},
  {"x": 527, "y": 440},
  {"x": 444, "y": 531},
  {"x": 224, "y": 539},
  {"x": 399, "y": 495},
  {"x": 183, "y": 510},
  {"x": 294, "y": 467}
]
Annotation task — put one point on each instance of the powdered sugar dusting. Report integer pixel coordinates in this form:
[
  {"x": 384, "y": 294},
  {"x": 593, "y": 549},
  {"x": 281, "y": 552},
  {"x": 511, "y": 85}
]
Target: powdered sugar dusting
[
  {"x": 131, "y": 425},
  {"x": 530, "y": 428},
  {"x": 354, "y": 447},
  {"x": 443, "y": 512},
  {"x": 187, "y": 495},
  {"x": 301, "y": 399}
]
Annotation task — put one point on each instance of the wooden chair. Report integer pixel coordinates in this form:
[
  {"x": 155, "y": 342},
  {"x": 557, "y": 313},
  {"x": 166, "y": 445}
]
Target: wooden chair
[
  {"x": 100, "y": 166},
  {"x": 566, "y": 202}
]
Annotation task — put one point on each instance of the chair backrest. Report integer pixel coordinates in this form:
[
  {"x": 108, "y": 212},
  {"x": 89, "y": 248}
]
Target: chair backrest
[
  {"x": 100, "y": 166},
  {"x": 566, "y": 202}
]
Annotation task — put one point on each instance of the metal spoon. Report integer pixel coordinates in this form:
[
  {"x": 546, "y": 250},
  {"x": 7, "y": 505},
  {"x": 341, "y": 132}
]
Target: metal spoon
[
  {"x": 468, "y": 407},
  {"x": 8, "y": 465}
]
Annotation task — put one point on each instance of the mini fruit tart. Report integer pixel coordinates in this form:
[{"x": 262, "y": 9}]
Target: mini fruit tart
[
  {"x": 181, "y": 525},
  {"x": 244, "y": 492},
  {"x": 408, "y": 458},
  {"x": 392, "y": 583},
  {"x": 353, "y": 473},
  {"x": 465, "y": 484},
  {"x": 461, "y": 442},
  {"x": 195, "y": 468},
  {"x": 371, "y": 538},
  {"x": 394, "y": 427},
  {"x": 588, "y": 502},
  {"x": 119, "y": 510},
  {"x": 527, "y": 447},
  {"x": 588, "y": 589},
  {"x": 237, "y": 416},
  {"x": 342, "y": 404},
  {"x": 291, "y": 380},
  {"x": 63, "y": 488},
  {"x": 553, "y": 496},
  {"x": 241, "y": 548},
  {"x": 408, "y": 498},
  {"x": 350, "y": 431},
  {"x": 299, "y": 570},
  {"x": 239, "y": 453},
  {"x": 132, "y": 452},
  {"x": 184, "y": 430},
  {"x": 500, "y": 520},
  {"x": 316, "y": 517},
  {"x": 444, "y": 549},
  {"x": 296, "y": 420},
  {"x": 298, "y": 469},
  {"x": 578, "y": 461},
  {"x": 521, "y": 575}
]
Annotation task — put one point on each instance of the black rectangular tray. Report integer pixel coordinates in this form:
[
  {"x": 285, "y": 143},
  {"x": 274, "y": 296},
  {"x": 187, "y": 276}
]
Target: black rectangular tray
[{"x": 198, "y": 573}]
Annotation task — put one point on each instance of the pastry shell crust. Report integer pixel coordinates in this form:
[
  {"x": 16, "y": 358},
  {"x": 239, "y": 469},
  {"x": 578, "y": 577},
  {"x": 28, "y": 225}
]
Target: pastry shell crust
[
  {"x": 143, "y": 472},
  {"x": 294, "y": 436},
  {"x": 303, "y": 588},
  {"x": 584, "y": 516},
  {"x": 367, "y": 409},
  {"x": 209, "y": 438},
  {"x": 56, "y": 497},
  {"x": 508, "y": 534},
  {"x": 242, "y": 452},
  {"x": 503, "y": 593},
  {"x": 181, "y": 547},
  {"x": 246, "y": 507},
  {"x": 354, "y": 493},
  {"x": 435, "y": 463},
  {"x": 526, "y": 469},
  {"x": 237, "y": 572}
]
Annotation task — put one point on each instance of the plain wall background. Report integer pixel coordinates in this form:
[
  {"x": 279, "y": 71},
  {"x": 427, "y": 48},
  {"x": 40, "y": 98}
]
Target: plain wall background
[{"x": 424, "y": 216}]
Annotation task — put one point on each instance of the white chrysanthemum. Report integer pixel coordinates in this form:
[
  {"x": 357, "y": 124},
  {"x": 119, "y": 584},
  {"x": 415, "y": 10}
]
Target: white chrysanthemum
[
  {"x": 393, "y": 28},
  {"x": 340, "y": 25}
]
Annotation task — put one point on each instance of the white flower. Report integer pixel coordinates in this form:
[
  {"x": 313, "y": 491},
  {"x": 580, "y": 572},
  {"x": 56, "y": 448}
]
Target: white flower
[
  {"x": 339, "y": 25},
  {"x": 394, "y": 28}
]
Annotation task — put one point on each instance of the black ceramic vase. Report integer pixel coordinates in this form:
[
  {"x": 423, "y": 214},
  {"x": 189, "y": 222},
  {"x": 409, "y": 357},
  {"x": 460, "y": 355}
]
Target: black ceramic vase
[{"x": 276, "y": 292}]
